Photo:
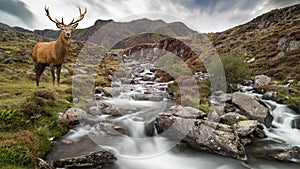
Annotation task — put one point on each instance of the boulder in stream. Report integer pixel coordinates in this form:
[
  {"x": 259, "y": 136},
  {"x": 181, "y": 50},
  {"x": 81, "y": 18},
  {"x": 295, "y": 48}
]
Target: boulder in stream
[
  {"x": 112, "y": 110},
  {"x": 246, "y": 127},
  {"x": 232, "y": 118},
  {"x": 287, "y": 155},
  {"x": 270, "y": 95},
  {"x": 252, "y": 108},
  {"x": 199, "y": 134},
  {"x": 72, "y": 116},
  {"x": 95, "y": 159},
  {"x": 187, "y": 112},
  {"x": 261, "y": 80}
]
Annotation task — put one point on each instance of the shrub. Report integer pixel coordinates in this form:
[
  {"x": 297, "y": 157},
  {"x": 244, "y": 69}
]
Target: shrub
[
  {"x": 44, "y": 94},
  {"x": 33, "y": 109},
  {"x": 9, "y": 119},
  {"x": 236, "y": 70},
  {"x": 19, "y": 149}
]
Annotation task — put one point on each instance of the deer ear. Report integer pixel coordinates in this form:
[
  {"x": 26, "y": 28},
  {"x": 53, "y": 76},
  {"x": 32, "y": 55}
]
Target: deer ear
[{"x": 74, "y": 25}]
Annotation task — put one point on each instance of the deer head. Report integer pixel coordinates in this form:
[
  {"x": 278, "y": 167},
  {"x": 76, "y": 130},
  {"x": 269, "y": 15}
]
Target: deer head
[{"x": 66, "y": 28}]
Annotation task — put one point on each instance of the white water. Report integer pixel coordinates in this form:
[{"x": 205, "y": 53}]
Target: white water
[
  {"x": 281, "y": 130},
  {"x": 140, "y": 151},
  {"x": 282, "y": 124}
]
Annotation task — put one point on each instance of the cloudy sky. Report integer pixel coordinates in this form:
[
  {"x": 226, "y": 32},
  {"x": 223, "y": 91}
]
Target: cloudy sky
[{"x": 200, "y": 15}]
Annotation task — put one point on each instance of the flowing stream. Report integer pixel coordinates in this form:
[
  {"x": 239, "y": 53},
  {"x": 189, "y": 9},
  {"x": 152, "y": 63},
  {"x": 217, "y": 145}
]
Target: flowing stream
[{"x": 142, "y": 148}]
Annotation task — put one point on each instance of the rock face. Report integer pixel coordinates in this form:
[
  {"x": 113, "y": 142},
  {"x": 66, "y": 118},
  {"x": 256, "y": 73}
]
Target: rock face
[
  {"x": 289, "y": 154},
  {"x": 199, "y": 134},
  {"x": 232, "y": 118},
  {"x": 244, "y": 128},
  {"x": 113, "y": 129},
  {"x": 270, "y": 95},
  {"x": 187, "y": 112},
  {"x": 252, "y": 108},
  {"x": 96, "y": 159},
  {"x": 42, "y": 164},
  {"x": 261, "y": 80},
  {"x": 112, "y": 110},
  {"x": 72, "y": 116}
]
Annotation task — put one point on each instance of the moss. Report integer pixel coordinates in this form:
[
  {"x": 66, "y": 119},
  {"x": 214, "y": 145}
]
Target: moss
[
  {"x": 102, "y": 81},
  {"x": 204, "y": 108},
  {"x": 19, "y": 149}
]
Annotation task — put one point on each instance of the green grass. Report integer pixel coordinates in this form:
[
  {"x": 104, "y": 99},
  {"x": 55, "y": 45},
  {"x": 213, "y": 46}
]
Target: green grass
[
  {"x": 23, "y": 136},
  {"x": 28, "y": 114}
]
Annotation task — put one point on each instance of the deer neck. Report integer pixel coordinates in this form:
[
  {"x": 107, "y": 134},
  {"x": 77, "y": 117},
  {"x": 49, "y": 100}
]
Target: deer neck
[{"x": 63, "y": 44}]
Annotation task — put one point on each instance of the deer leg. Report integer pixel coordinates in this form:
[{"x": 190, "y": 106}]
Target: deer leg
[
  {"x": 41, "y": 70},
  {"x": 58, "y": 70},
  {"x": 53, "y": 75},
  {"x": 37, "y": 74}
]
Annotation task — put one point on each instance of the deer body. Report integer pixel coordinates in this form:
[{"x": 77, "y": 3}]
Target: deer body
[{"x": 54, "y": 53}]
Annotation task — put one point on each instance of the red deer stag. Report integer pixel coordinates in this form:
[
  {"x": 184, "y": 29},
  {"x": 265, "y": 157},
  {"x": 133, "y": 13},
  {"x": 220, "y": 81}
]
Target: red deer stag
[{"x": 54, "y": 53}]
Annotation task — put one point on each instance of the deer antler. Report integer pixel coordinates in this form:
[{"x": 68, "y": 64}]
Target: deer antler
[
  {"x": 81, "y": 16},
  {"x": 55, "y": 21}
]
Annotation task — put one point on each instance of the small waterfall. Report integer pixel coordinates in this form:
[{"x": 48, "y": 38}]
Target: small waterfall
[
  {"x": 282, "y": 130},
  {"x": 142, "y": 148},
  {"x": 282, "y": 126}
]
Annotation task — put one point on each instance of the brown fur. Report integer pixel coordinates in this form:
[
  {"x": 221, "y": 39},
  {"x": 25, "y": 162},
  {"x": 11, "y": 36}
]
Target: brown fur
[
  {"x": 54, "y": 53},
  {"x": 51, "y": 54}
]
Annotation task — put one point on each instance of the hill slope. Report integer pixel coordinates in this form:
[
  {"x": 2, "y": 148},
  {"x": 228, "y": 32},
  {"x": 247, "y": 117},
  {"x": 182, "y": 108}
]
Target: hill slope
[
  {"x": 270, "y": 43},
  {"x": 114, "y": 30}
]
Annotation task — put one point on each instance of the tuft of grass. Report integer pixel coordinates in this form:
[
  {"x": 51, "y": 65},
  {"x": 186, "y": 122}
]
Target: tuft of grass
[{"x": 19, "y": 149}]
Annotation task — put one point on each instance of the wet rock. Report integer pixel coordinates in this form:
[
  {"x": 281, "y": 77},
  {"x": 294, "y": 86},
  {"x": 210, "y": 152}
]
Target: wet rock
[
  {"x": 296, "y": 123},
  {"x": 224, "y": 97},
  {"x": 259, "y": 131},
  {"x": 113, "y": 129},
  {"x": 67, "y": 141},
  {"x": 213, "y": 116},
  {"x": 148, "y": 77},
  {"x": 91, "y": 103},
  {"x": 270, "y": 95},
  {"x": 245, "y": 128},
  {"x": 261, "y": 80},
  {"x": 150, "y": 97},
  {"x": 187, "y": 112},
  {"x": 153, "y": 69},
  {"x": 72, "y": 116},
  {"x": 112, "y": 110},
  {"x": 289, "y": 154},
  {"x": 229, "y": 108},
  {"x": 247, "y": 83},
  {"x": 106, "y": 91},
  {"x": 252, "y": 108},
  {"x": 246, "y": 140},
  {"x": 202, "y": 135},
  {"x": 96, "y": 159},
  {"x": 42, "y": 164},
  {"x": 232, "y": 118},
  {"x": 95, "y": 110}
]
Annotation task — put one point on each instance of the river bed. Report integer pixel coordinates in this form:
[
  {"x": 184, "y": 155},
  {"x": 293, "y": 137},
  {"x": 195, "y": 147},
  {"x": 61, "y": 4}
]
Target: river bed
[{"x": 142, "y": 148}]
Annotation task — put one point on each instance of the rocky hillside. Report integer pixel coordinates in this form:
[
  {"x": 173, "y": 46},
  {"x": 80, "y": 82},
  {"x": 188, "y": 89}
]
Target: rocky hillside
[
  {"x": 124, "y": 29},
  {"x": 270, "y": 43}
]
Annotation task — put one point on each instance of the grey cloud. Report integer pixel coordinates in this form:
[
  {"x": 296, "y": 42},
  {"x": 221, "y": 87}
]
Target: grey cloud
[
  {"x": 283, "y": 2},
  {"x": 98, "y": 5},
  {"x": 17, "y": 9}
]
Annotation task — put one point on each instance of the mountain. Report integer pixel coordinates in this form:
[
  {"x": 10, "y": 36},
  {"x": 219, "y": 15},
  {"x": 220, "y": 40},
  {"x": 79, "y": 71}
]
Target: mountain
[
  {"x": 5, "y": 27},
  {"x": 121, "y": 30},
  {"x": 270, "y": 43}
]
